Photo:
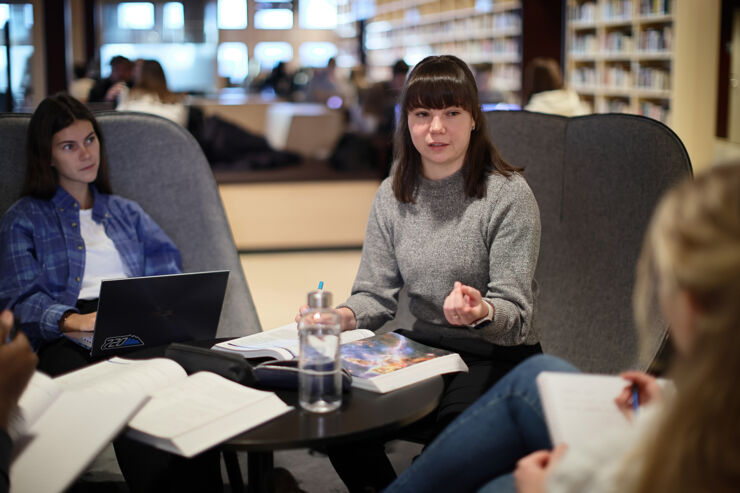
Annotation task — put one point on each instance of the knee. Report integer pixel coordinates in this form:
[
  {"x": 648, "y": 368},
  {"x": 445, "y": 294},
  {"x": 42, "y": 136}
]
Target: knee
[{"x": 533, "y": 366}]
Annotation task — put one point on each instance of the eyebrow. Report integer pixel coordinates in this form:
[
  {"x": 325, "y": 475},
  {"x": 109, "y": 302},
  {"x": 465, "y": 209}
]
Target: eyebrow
[{"x": 73, "y": 142}]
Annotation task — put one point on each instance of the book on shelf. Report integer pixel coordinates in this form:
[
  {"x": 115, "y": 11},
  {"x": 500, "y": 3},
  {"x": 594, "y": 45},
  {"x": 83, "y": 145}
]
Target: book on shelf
[
  {"x": 580, "y": 406},
  {"x": 379, "y": 363},
  {"x": 182, "y": 414}
]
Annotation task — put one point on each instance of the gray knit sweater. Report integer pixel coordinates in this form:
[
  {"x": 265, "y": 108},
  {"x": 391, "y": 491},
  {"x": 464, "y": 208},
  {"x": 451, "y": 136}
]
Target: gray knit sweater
[{"x": 491, "y": 244}]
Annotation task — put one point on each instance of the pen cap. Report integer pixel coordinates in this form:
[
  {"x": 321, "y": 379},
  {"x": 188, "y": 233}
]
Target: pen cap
[{"x": 319, "y": 299}]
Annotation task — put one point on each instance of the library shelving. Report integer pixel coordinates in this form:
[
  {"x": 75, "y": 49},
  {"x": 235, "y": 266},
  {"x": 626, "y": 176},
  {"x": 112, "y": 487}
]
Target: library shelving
[
  {"x": 650, "y": 57},
  {"x": 485, "y": 32},
  {"x": 620, "y": 55}
]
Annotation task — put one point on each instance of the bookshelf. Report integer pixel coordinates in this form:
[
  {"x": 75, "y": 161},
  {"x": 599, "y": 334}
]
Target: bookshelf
[
  {"x": 648, "y": 57},
  {"x": 478, "y": 31}
]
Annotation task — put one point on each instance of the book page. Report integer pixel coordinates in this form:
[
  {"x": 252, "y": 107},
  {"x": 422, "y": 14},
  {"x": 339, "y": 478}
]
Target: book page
[
  {"x": 35, "y": 400},
  {"x": 283, "y": 337},
  {"x": 578, "y": 407},
  {"x": 192, "y": 402},
  {"x": 283, "y": 340},
  {"x": 68, "y": 436},
  {"x": 119, "y": 375}
]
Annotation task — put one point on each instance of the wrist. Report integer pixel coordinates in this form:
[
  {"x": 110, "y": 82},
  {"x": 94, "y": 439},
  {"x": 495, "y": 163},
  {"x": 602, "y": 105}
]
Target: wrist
[
  {"x": 63, "y": 320},
  {"x": 486, "y": 318}
]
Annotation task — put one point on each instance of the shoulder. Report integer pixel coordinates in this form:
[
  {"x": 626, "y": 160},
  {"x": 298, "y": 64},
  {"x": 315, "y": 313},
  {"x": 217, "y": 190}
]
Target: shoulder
[
  {"x": 25, "y": 207},
  {"x": 384, "y": 195},
  {"x": 117, "y": 204},
  {"x": 514, "y": 186},
  {"x": 511, "y": 195}
]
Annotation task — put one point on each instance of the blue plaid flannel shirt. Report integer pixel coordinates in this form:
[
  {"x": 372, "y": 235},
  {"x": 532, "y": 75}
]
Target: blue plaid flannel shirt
[{"x": 42, "y": 255}]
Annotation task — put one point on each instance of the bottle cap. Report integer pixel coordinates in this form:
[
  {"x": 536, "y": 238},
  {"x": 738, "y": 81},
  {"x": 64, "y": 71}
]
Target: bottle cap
[{"x": 319, "y": 299}]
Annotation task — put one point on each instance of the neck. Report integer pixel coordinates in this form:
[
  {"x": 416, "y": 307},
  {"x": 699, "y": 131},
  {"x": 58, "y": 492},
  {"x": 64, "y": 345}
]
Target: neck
[{"x": 431, "y": 172}]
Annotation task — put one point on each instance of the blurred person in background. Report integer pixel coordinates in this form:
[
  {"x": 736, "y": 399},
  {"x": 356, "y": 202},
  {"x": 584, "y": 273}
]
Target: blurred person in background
[
  {"x": 150, "y": 94},
  {"x": 107, "y": 90},
  {"x": 80, "y": 87},
  {"x": 544, "y": 91}
]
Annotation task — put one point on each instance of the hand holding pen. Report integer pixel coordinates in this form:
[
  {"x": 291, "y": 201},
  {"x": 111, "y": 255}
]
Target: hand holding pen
[{"x": 642, "y": 389}]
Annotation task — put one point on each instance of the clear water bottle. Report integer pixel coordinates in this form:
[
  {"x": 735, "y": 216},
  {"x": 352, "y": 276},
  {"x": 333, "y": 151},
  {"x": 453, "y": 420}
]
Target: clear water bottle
[{"x": 319, "y": 379}]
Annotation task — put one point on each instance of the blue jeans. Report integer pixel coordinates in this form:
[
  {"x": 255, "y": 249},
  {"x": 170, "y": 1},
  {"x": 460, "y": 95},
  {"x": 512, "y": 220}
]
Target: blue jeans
[{"x": 486, "y": 440}]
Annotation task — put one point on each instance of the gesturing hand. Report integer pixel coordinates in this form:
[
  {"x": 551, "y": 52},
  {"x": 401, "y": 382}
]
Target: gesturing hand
[{"x": 464, "y": 305}]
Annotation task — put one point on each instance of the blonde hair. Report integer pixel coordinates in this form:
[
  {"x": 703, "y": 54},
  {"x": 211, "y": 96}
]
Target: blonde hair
[{"x": 693, "y": 244}]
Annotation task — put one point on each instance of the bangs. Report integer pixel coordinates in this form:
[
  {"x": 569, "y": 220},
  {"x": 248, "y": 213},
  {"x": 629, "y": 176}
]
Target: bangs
[{"x": 437, "y": 90}]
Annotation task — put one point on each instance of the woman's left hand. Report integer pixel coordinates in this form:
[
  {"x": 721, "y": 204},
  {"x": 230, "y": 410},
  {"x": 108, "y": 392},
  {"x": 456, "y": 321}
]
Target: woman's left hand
[
  {"x": 464, "y": 305},
  {"x": 532, "y": 470}
]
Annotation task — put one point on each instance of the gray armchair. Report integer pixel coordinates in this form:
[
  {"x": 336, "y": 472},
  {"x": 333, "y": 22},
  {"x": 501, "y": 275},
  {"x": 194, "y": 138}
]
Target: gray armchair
[
  {"x": 597, "y": 180},
  {"x": 159, "y": 165}
]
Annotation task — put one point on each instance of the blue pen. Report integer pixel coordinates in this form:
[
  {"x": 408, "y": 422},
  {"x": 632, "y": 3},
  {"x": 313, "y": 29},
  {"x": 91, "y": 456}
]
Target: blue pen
[
  {"x": 635, "y": 398},
  {"x": 321, "y": 285}
]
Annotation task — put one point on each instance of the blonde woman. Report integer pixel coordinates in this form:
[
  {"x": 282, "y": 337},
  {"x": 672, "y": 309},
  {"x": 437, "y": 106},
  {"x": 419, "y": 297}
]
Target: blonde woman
[
  {"x": 685, "y": 441},
  {"x": 151, "y": 95}
]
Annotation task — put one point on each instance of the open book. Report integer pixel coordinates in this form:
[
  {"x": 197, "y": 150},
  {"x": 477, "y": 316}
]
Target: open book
[
  {"x": 57, "y": 434},
  {"x": 391, "y": 361},
  {"x": 280, "y": 343},
  {"x": 183, "y": 414},
  {"x": 580, "y": 406}
]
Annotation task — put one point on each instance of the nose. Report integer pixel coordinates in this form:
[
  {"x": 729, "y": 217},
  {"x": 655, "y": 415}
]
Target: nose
[
  {"x": 84, "y": 152},
  {"x": 436, "y": 125}
]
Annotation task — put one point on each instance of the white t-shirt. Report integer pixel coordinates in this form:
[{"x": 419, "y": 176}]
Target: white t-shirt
[{"x": 102, "y": 260}]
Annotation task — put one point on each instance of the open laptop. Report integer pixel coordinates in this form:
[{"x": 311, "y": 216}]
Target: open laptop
[{"x": 138, "y": 312}]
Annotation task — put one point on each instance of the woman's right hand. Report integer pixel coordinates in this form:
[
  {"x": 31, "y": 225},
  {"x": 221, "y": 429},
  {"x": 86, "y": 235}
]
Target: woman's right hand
[
  {"x": 648, "y": 391},
  {"x": 78, "y": 322},
  {"x": 347, "y": 317}
]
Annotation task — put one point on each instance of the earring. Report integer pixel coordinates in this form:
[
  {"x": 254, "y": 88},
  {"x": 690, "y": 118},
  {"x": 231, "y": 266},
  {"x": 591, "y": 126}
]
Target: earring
[{"x": 472, "y": 129}]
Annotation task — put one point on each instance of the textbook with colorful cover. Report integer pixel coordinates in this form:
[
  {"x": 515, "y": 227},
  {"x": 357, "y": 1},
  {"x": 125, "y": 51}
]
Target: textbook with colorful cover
[
  {"x": 379, "y": 363},
  {"x": 391, "y": 361}
]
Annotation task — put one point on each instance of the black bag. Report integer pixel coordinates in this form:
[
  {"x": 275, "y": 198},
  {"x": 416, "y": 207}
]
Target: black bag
[
  {"x": 272, "y": 375},
  {"x": 194, "y": 359}
]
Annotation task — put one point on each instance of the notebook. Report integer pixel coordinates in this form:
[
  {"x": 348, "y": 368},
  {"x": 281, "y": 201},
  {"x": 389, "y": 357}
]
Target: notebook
[{"x": 137, "y": 312}]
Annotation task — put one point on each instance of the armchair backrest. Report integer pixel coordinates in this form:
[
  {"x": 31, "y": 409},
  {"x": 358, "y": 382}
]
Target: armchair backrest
[
  {"x": 597, "y": 179},
  {"x": 158, "y": 164}
]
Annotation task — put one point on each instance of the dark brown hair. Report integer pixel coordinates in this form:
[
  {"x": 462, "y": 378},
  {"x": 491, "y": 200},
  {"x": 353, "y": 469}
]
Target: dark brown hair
[
  {"x": 55, "y": 113},
  {"x": 438, "y": 82},
  {"x": 542, "y": 74}
]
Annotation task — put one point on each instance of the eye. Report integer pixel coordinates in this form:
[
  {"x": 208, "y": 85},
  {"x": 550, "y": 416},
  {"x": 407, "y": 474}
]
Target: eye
[
  {"x": 90, "y": 139},
  {"x": 421, "y": 113},
  {"x": 67, "y": 147},
  {"x": 454, "y": 112}
]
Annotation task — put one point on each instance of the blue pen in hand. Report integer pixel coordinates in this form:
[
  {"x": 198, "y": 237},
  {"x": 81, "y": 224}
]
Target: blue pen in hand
[{"x": 635, "y": 398}]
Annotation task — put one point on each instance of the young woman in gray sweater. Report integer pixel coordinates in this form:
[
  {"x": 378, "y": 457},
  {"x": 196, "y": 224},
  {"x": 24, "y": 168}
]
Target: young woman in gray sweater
[{"x": 460, "y": 229}]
